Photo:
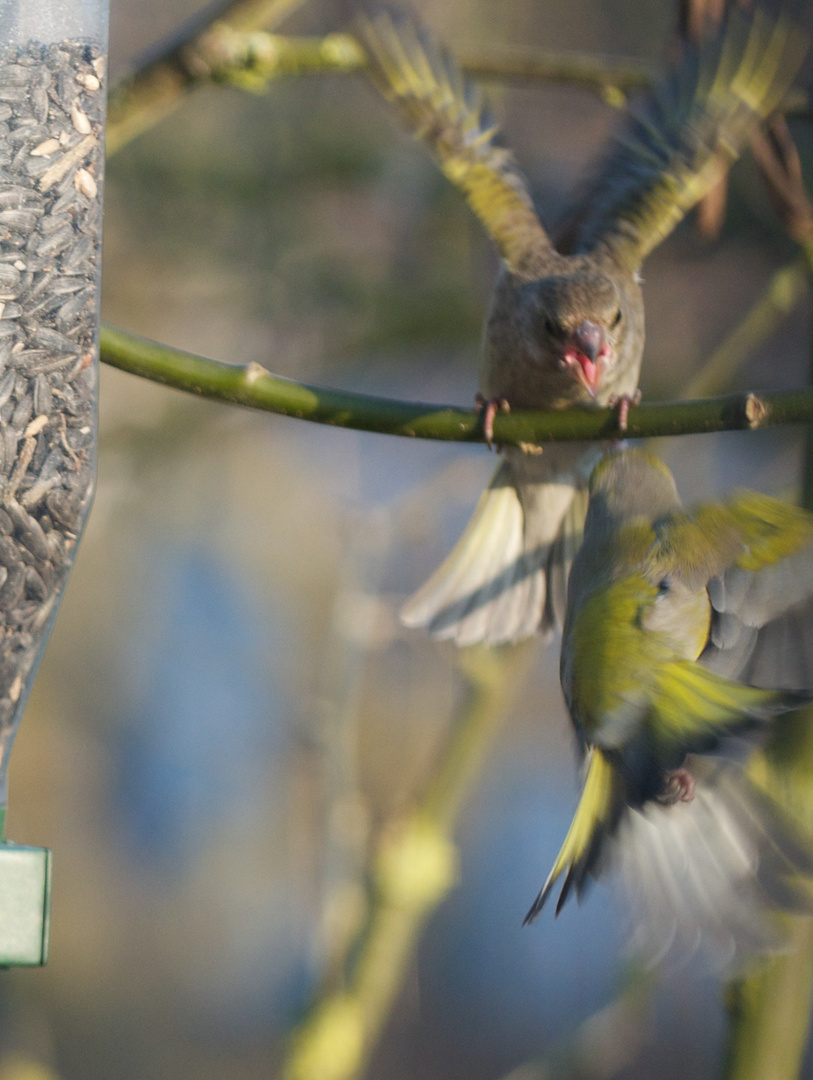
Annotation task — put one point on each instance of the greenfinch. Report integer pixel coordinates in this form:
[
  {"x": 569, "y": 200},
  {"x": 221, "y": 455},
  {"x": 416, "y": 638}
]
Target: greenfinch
[
  {"x": 686, "y": 634},
  {"x": 566, "y": 325}
]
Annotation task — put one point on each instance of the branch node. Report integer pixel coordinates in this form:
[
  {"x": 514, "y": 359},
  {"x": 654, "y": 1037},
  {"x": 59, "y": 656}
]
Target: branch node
[
  {"x": 343, "y": 51},
  {"x": 254, "y": 371},
  {"x": 755, "y": 410}
]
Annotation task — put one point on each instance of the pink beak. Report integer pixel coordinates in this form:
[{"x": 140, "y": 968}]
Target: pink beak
[{"x": 587, "y": 345}]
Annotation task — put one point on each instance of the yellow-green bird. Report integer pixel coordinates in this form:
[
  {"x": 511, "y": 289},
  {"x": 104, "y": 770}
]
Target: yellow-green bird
[
  {"x": 684, "y": 629},
  {"x": 565, "y": 326}
]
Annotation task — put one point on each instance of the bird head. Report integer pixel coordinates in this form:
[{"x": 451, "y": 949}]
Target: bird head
[
  {"x": 581, "y": 327},
  {"x": 573, "y": 336}
]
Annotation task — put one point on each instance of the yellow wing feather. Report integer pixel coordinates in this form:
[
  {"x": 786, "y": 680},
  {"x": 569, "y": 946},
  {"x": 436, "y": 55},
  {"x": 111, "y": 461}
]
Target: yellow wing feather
[
  {"x": 443, "y": 111},
  {"x": 693, "y": 708},
  {"x": 680, "y": 141}
]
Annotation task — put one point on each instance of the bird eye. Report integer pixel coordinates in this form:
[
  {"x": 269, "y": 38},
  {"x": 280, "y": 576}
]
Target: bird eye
[{"x": 616, "y": 319}]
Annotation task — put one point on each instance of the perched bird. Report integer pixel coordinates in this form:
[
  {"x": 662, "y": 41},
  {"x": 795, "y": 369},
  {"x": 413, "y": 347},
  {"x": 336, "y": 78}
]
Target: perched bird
[
  {"x": 565, "y": 328},
  {"x": 685, "y": 633}
]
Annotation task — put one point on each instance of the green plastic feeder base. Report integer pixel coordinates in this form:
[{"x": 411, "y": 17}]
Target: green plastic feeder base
[{"x": 25, "y": 905}]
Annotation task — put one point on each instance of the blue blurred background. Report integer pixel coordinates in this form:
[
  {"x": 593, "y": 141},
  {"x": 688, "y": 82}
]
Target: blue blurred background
[{"x": 228, "y": 710}]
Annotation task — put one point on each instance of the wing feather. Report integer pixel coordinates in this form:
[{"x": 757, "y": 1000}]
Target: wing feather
[
  {"x": 678, "y": 142},
  {"x": 439, "y": 107}
]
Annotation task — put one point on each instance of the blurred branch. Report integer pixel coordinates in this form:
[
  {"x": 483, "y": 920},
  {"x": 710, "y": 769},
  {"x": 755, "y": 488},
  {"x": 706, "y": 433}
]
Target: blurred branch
[
  {"x": 230, "y": 43},
  {"x": 254, "y": 60},
  {"x": 253, "y": 386},
  {"x": 159, "y": 79},
  {"x": 769, "y": 1011},
  {"x": 785, "y": 288},
  {"x": 605, "y": 1043},
  {"x": 415, "y": 867},
  {"x": 612, "y": 78},
  {"x": 778, "y": 160},
  {"x": 366, "y": 539}
]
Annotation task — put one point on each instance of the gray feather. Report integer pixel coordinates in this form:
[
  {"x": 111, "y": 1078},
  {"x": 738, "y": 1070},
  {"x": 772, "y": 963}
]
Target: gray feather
[
  {"x": 506, "y": 578},
  {"x": 762, "y": 624},
  {"x": 710, "y": 872}
]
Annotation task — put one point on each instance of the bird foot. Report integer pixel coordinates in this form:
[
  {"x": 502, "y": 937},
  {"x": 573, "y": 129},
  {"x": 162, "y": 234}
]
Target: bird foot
[
  {"x": 679, "y": 787},
  {"x": 623, "y": 402},
  {"x": 490, "y": 407}
]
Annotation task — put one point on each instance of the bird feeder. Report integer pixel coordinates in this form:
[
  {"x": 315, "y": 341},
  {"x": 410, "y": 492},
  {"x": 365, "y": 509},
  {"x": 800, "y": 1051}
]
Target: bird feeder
[{"x": 52, "y": 109}]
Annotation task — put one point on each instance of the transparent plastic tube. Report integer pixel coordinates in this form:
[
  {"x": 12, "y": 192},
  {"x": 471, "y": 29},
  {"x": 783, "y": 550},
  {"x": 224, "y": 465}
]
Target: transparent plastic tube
[{"x": 52, "y": 98}]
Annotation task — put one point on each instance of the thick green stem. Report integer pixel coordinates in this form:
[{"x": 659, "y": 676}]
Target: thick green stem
[
  {"x": 807, "y": 477},
  {"x": 769, "y": 1013}
]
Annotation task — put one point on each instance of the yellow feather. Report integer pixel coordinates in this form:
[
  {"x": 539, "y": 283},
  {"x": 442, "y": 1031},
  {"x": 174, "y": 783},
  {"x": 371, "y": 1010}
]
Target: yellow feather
[
  {"x": 433, "y": 100},
  {"x": 771, "y": 530},
  {"x": 597, "y": 814},
  {"x": 693, "y": 706}
]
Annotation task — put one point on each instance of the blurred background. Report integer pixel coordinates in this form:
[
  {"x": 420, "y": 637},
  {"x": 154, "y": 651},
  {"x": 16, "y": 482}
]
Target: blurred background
[{"x": 228, "y": 711}]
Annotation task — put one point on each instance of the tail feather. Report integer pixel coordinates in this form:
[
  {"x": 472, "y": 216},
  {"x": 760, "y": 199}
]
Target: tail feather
[
  {"x": 567, "y": 544},
  {"x": 506, "y": 578},
  {"x": 600, "y": 808}
]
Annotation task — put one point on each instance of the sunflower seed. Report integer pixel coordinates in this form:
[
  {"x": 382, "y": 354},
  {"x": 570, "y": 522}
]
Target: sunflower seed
[{"x": 51, "y": 114}]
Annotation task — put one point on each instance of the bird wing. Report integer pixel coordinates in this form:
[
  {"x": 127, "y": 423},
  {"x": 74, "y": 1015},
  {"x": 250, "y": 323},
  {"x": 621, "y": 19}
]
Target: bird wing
[
  {"x": 635, "y": 640},
  {"x": 761, "y": 629},
  {"x": 708, "y": 872},
  {"x": 676, "y": 145},
  {"x": 693, "y": 708},
  {"x": 439, "y": 107}
]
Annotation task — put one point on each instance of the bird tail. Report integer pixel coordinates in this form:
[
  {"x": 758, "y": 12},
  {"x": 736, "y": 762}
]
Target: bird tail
[
  {"x": 710, "y": 872},
  {"x": 602, "y": 802},
  {"x": 439, "y": 107},
  {"x": 506, "y": 578}
]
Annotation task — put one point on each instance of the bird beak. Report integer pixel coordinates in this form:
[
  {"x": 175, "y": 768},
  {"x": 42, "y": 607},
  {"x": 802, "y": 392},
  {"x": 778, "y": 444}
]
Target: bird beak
[{"x": 587, "y": 345}]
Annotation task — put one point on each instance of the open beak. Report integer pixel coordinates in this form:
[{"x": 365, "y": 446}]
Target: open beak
[{"x": 587, "y": 345}]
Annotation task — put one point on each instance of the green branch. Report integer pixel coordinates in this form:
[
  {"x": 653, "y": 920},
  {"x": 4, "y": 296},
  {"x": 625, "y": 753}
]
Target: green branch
[
  {"x": 159, "y": 81},
  {"x": 769, "y": 1010},
  {"x": 253, "y": 386},
  {"x": 231, "y": 46},
  {"x": 413, "y": 870},
  {"x": 783, "y": 292},
  {"x": 254, "y": 60}
]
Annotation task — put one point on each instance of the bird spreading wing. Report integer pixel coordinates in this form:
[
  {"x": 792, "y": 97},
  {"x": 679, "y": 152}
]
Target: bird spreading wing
[
  {"x": 566, "y": 329},
  {"x": 677, "y": 142},
  {"x": 438, "y": 106}
]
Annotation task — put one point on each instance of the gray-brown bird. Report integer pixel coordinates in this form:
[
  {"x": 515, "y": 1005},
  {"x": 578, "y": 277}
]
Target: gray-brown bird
[{"x": 565, "y": 329}]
